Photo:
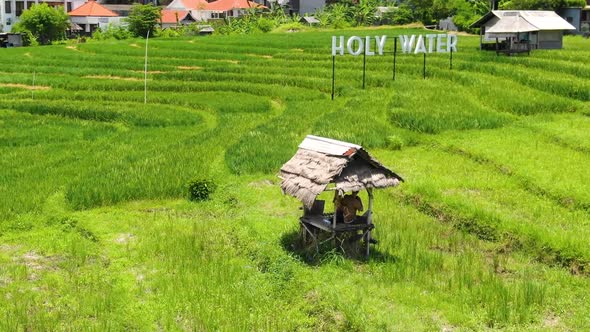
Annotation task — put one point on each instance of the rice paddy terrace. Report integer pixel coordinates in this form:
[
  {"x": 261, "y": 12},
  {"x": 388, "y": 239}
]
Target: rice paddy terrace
[{"x": 490, "y": 229}]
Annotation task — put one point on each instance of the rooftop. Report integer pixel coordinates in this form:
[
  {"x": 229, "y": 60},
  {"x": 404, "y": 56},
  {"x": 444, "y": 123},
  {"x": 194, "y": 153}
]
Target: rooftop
[
  {"x": 92, "y": 8},
  {"x": 321, "y": 161}
]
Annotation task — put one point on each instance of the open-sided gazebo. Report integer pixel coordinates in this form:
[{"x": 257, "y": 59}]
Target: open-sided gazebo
[{"x": 323, "y": 164}]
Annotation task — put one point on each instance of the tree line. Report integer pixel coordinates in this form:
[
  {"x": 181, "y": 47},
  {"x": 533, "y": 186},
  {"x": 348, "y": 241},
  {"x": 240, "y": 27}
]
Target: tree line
[{"x": 44, "y": 24}]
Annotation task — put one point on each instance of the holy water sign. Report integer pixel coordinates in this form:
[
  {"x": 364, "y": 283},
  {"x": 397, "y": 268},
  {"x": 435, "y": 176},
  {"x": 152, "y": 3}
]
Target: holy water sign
[{"x": 410, "y": 44}]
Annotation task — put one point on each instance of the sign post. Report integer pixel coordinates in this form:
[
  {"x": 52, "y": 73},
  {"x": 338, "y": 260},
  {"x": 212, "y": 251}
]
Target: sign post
[
  {"x": 424, "y": 67},
  {"x": 451, "y": 66},
  {"x": 333, "y": 74},
  {"x": 364, "y": 68},
  {"x": 394, "y": 56}
]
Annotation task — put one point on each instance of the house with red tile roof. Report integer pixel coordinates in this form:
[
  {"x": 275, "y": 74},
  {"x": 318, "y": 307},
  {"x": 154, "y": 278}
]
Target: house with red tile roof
[
  {"x": 91, "y": 16},
  {"x": 231, "y": 8},
  {"x": 201, "y": 10},
  {"x": 174, "y": 18}
]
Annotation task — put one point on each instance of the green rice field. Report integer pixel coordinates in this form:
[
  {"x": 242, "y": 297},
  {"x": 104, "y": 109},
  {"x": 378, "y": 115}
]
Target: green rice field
[{"x": 489, "y": 230}]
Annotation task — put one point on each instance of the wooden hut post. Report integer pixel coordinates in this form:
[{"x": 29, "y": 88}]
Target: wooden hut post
[
  {"x": 481, "y": 34},
  {"x": 303, "y": 230},
  {"x": 334, "y": 226},
  {"x": 369, "y": 221}
]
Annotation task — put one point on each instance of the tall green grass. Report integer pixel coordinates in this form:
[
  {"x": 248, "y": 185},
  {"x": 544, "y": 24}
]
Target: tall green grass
[{"x": 488, "y": 231}]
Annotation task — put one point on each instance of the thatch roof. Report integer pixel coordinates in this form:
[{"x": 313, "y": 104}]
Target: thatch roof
[{"x": 321, "y": 161}]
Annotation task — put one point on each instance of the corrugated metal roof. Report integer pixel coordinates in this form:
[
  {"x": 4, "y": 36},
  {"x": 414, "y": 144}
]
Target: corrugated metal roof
[
  {"x": 310, "y": 19},
  {"x": 539, "y": 19},
  {"x": 511, "y": 21},
  {"x": 328, "y": 146},
  {"x": 511, "y": 24}
]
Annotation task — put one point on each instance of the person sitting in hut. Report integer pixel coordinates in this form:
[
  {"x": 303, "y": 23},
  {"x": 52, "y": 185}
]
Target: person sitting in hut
[{"x": 347, "y": 206}]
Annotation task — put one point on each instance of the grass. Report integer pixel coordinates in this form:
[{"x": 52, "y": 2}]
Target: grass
[{"x": 488, "y": 231}]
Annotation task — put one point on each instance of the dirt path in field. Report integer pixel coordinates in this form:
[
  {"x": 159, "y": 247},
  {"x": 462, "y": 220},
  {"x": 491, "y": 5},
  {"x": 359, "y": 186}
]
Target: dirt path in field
[
  {"x": 106, "y": 77},
  {"x": 24, "y": 86},
  {"x": 189, "y": 67},
  {"x": 235, "y": 62},
  {"x": 263, "y": 56}
]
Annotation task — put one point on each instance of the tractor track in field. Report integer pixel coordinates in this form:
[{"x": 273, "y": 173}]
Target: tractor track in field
[
  {"x": 565, "y": 144},
  {"x": 525, "y": 183},
  {"x": 559, "y": 141},
  {"x": 508, "y": 242}
]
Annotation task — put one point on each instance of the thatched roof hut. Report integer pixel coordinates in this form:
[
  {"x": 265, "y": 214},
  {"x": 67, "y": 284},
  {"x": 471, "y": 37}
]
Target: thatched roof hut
[{"x": 321, "y": 161}]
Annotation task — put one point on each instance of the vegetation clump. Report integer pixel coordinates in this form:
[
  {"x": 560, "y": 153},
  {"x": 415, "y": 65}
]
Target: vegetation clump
[
  {"x": 143, "y": 19},
  {"x": 46, "y": 24},
  {"x": 201, "y": 189}
]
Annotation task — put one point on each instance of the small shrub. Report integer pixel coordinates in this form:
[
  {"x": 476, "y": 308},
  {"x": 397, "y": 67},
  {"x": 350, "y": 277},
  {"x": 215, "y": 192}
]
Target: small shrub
[
  {"x": 112, "y": 32},
  {"x": 201, "y": 189},
  {"x": 265, "y": 24},
  {"x": 394, "y": 142},
  {"x": 170, "y": 33},
  {"x": 402, "y": 15}
]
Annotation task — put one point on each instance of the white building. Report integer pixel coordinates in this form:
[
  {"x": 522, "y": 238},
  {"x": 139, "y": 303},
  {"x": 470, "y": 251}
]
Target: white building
[
  {"x": 11, "y": 10},
  {"x": 91, "y": 16}
]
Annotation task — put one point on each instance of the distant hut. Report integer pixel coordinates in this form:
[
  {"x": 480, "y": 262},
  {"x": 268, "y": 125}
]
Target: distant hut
[
  {"x": 11, "y": 40},
  {"x": 323, "y": 164},
  {"x": 515, "y": 31},
  {"x": 448, "y": 24},
  {"x": 309, "y": 20}
]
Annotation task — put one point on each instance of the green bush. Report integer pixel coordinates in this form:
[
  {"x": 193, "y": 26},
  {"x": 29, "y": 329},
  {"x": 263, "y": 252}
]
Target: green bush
[
  {"x": 200, "y": 189},
  {"x": 46, "y": 23},
  {"x": 113, "y": 32},
  {"x": 265, "y": 24},
  {"x": 170, "y": 33},
  {"x": 401, "y": 15},
  {"x": 143, "y": 19},
  {"x": 394, "y": 142}
]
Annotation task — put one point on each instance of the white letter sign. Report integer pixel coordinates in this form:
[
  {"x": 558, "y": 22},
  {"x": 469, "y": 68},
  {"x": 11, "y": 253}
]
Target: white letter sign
[
  {"x": 350, "y": 43},
  {"x": 339, "y": 47},
  {"x": 380, "y": 43},
  {"x": 407, "y": 43},
  {"x": 430, "y": 43}
]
